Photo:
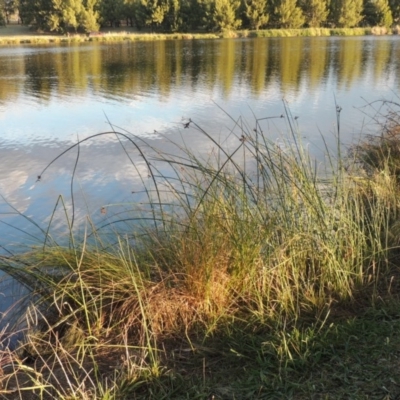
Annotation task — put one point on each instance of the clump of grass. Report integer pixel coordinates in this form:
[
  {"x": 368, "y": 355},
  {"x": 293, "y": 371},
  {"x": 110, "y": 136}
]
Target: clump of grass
[
  {"x": 379, "y": 30},
  {"x": 311, "y": 32},
  {"x": 229, "y": 34},
  {"x": 396, "y": 29},
  {"x": 260, "y": 238},
  {"x": 351, "y": 31}
]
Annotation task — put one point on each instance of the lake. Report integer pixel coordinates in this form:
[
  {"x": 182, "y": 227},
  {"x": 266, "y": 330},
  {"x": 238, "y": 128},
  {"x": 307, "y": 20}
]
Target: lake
[{"x": 53, "y": 96}]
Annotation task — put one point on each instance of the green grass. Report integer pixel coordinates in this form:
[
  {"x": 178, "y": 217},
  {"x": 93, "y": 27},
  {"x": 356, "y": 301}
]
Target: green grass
[{"x": 258, "y": 272}]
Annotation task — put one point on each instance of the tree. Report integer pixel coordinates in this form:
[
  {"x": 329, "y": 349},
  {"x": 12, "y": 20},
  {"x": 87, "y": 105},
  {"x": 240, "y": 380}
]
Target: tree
[
  {"x": 26, "y": 11},
  {"x": 89, "y": 18},
  {"x": 40, "y": 13},
  {"x": 2, "y": 16},
  {"x": 315, "y": 12},
  {"x": 192, "y": 14},
  {"x": 44, "y": 9},
  {"x": 65, "y": 14},
  {"x": 395, "y": 8},
  {"x": 173, "y": 20},
  {"x": 207, "y": 10},
  {"x": 7, "y": 8},
  {"x": 111, "y": 12},
  {"x": 152, "y": 12},
  {"x": 256, "y": 12},
  {"x": 135, "y": 12},
  {"x": 130, "y": 11},
  {"x": 377, "y": 13},
  {"x": 288, "y": 14},
  {"x": 346, "y": 13},
  {"x": 60, "y": 15},
  {"x": 224, "y": 15},
  {"x": 220, "y": 15}
]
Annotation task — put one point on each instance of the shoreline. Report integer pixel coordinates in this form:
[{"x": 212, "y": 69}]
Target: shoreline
[{"x": 28, "y": 37}]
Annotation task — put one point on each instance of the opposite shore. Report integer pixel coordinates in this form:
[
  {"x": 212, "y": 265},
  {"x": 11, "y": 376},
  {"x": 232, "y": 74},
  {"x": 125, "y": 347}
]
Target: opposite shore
[{"x": 17, "y": 34}]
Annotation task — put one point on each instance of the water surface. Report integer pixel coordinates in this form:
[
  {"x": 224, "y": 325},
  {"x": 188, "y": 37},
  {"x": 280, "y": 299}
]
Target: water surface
[{"x": 51, "y": 96}]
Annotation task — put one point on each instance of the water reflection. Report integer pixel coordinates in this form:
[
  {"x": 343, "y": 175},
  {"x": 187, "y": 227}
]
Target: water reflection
[
  {"x": 163, "y": 65},
  {"x": 51, "y": 96},
  {"x": 381, "y": 55}
]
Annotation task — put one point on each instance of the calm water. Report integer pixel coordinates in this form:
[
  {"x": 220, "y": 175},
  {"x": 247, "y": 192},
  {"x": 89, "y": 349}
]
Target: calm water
[{"x": 51, "y": 96}]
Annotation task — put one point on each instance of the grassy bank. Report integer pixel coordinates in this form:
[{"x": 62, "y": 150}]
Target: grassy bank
[
  {"x": 12, "y": 35},
  {"x": 257, "y": 273}
]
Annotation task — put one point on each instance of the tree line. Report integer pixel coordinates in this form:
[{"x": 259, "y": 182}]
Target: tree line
[{"x": 191, "y": 15}]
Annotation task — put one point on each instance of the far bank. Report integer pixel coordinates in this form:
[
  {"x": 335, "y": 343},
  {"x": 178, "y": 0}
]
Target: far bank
[{"x": 18, "y": 34}]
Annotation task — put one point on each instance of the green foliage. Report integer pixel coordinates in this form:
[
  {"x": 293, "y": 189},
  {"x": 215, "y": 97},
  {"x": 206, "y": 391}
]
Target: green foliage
[
  {"x": 7, "y": 8},
  {"x": 2, "y": 13},
  {"x": 192, "y": 14},
  {"x": 257, "y": 13},
  {"x": 153, "y": 12},
  {"x": 65, "y": 14},
  {"x": 225, "y": 16},
  {"x": 135, "y": 12},
  {"x": 219, "y": 15},
  {"x": 27, "y": 11},
  {"x": 378, "y": 13},
  {"x": 315, "y": 12},
  {"x": 60, "y": 15},
  {"x": 288, "y": 14},
  {"x": 212, "y": 15},
  {"x": 346, "y": 13},
  {"x": 395, "y": 8},
  {"x": 89, "y": 16},
  {"x": 111, "y": 12},
  {"x": 173, "y": 20}
]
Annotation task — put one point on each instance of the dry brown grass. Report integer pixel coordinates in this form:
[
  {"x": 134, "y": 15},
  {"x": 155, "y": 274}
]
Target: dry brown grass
[{"x": 379, "y": 30}]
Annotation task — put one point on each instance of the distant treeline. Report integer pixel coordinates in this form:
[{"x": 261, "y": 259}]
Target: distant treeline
[{"x": 191, "y": 15}]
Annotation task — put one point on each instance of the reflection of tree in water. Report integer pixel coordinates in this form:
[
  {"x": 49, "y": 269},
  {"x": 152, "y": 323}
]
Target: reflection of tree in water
[
  {"x": 40, "y": 76},
  {"x": 291, "y": 56},
  {"x": 177, "y": 63},
  {"x": 226, "y": 65},
  {"x": 163, "y": 68},
  {"x": 122, "y": 69},
  {"x": 11, "y": 71},
  {"x": 256, "y": 64},
  {"x": 208, "y": 59},
  {"x": 380, "y": 58},
  {"x": 349, "y": 64},
  {"x": 317, "y": 55},
  {"x": 117, "y": 63}
]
